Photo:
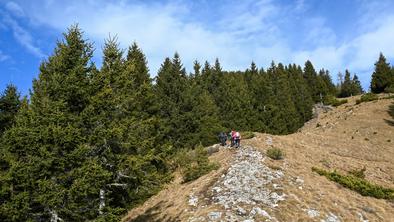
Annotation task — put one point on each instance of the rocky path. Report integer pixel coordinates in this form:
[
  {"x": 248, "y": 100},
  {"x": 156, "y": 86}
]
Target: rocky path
[{"x": 248, "y": 191}]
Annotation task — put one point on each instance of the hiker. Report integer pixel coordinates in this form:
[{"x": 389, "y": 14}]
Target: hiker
[
  {"x": 237, "y": 139},
  {"x": 229, "y": 138},
  {"x": 232, "y": 137},
  {"x": 222, "y": 138}
]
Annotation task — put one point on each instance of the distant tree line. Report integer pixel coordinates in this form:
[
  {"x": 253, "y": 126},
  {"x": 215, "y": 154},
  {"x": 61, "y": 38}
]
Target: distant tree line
[{"x": 92, "y": 142}]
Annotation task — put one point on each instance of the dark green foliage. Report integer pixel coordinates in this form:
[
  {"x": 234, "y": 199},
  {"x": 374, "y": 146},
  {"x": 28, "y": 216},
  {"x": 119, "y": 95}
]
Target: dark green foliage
[
  {"x": 9, "y": 105},
  {"x": 359, "y": 173},
  {"x": 356, "y": 86},
  {"x": 367, "y": 97},
  {"x": 358, "y": 184},
  {"x": 350, "y": 87},
  {"x": 275, "y": 153},
  {"x": 197, "y": 164},
  {"x": 331, "y": 100},
  {"x": 194, "y": 163},
  {"x": 382, "y": 77},
  {"x": 93, "y": 143},
  {"x": 310, "y": 77}
]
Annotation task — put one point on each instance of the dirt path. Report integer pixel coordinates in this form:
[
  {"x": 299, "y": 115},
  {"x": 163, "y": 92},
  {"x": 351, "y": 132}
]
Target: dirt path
[{"x": 251, "y": 187}]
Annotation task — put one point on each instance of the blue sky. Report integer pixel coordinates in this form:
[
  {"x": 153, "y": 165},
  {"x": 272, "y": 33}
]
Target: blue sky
[{"x": 333, "y": 34}]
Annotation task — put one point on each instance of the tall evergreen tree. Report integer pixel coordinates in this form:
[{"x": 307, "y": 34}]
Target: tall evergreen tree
[
  {"x": 382, "y": 75},
  {"x": 9, "y": 105},
  {"x": 310, "y": 76},
  {"x": 356, "y": 86},
  {"x": 300, "y": 94},
  {"x": 346, "y": 87},
  {"x": 171, "y": 83},
  {"x": 46, "y": 145}
]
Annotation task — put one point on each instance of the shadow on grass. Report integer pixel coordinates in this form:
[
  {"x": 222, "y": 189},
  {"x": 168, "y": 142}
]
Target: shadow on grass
[
  {"x": 391, "y": 113},
  {"x": 153, "y": 214}
]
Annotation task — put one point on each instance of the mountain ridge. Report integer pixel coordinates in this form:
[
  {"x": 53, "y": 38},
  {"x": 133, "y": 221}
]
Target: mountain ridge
[{"x": 346, "y": 138}]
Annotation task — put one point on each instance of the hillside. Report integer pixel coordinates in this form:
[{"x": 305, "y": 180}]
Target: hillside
[{"x": 346, "y": 138}]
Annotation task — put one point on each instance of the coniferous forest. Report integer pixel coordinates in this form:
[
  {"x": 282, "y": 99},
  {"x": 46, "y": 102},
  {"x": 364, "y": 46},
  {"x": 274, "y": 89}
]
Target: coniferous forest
[{"x": 90, "y": 143}]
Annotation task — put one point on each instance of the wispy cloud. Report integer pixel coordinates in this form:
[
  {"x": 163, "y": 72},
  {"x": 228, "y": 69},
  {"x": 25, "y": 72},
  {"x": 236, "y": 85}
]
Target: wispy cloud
[
  {"x": 9, "y": 20},
  {"x": 22, "y": 36},
  {"x": 3, "y": 57},
  {"x": 236, "y": 32},
  {"x": 15, "y": 9}
]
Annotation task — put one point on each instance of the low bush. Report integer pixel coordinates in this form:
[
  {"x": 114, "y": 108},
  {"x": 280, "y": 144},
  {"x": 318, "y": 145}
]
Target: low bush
[
  {"x": 194, "y": 163},
  {"x": 331, "y": 100},
  {"x": 360, "y": 185},
  {"x": 389, "y": 89},
  {"x": 367, "y": 97},
  {"x": 358, "y": 173},
  {"x": 275, "y": 153}
]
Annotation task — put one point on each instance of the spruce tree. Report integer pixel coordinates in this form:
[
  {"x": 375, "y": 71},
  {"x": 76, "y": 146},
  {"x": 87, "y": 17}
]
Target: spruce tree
[
  {"x": 9, "y": 105},
  {"x": 356, "y": 86},
  {"x": 300, "y": 94},
  {"x": 46, "y": 144},
  {"x": 346, "y": 87},
  {"x": 382, "y": 76},
  {"x": 310, "y": 76},
  {"x": 171, "y": 83}
]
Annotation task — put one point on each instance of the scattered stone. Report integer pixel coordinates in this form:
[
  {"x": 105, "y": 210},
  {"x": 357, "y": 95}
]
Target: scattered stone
[
  {"x": 213, "y": 149},
  {"x": 312, "y": 213},
  {"x": 248, "y": 220},
  {"x": 230, "y": 217},
  {"x": 193, "y": 200},
  {"x": 369, "y": 210},
  {"x": 268, "y": 141},
  {"x": 362, "y": 218},
  {"x": 217, "y": 189},
  {"x": 331, "y": 218},
  {"x": 241, "y": 211},
  {"x": 259, "y": 211},
  {"x": 214, "y": 215},
  {"x": 299, "y": 180}
]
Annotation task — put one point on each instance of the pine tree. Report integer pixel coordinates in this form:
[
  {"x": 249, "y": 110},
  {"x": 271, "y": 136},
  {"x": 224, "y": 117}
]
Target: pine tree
[
  {"x": 9, "y": 105},
  {"x": 382, "y": 76}
]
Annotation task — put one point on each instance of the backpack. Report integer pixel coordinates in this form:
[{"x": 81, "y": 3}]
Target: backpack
[{"x": 237, "y": 135}]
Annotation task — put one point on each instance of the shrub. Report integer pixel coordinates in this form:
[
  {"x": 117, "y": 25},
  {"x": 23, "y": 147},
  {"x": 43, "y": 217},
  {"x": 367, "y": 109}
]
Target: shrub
[
  {"x": 360, "y": 185},
  {"x": 194, "y": 163},
  {"x": 358, "y": 173},
  {"x": 367, "y": 97},
  {"x": 331, "y": 100},
  {"x": 275, "y": 153},
  {"x": 389, "y": 89},
  {"x": 247, "y": 135}
]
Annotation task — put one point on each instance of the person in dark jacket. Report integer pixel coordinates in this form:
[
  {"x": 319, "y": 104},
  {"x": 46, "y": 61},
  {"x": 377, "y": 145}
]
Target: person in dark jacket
[{"x": 222, "y": 138}]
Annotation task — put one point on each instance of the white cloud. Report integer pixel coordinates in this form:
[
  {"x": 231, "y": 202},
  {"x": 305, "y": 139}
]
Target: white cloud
[
  {"x": 3, "y": 57},
  {"x": 245, "y": 31},
  {"x": 15, "y": 9}
]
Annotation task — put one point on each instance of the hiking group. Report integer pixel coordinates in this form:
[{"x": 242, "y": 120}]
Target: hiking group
[{"x": 233, "y": 136}]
